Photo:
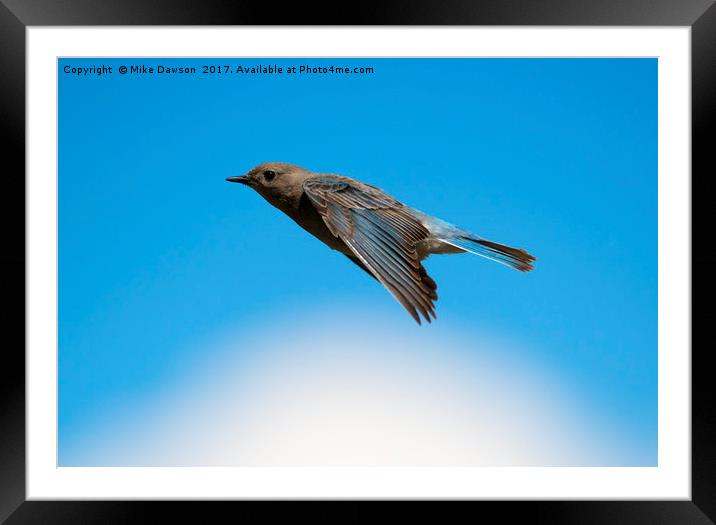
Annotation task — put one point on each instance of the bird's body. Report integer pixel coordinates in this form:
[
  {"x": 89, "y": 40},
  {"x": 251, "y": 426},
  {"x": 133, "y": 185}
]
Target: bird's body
[{"x": 381, "y": 235}]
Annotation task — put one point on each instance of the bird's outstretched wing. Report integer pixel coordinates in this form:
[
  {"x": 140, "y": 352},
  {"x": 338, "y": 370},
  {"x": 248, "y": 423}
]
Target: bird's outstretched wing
[{"x": 381, "y": 233}]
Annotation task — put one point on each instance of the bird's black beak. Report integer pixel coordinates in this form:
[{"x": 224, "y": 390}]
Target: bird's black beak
[{"x": 241, "y": 180}]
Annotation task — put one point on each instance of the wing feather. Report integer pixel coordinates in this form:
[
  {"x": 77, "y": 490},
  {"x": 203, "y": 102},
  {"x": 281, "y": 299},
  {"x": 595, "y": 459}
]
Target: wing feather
[{"x": 381, "y": 233}]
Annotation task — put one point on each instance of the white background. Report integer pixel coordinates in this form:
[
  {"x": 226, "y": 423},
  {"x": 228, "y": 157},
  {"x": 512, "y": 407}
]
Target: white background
[{"x": 670, "y": 480}]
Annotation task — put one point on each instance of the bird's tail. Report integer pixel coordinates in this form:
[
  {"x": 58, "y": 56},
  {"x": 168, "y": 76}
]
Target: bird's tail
[{"x": 515, "y": 257}]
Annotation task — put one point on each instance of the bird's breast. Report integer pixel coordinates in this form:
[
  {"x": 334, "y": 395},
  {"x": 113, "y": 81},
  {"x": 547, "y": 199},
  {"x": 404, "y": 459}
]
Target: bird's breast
[{"x": 308, "y": 218}]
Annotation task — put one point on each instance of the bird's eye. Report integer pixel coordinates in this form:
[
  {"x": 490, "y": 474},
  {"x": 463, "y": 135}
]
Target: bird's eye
[{"x": 269, "y": 175}]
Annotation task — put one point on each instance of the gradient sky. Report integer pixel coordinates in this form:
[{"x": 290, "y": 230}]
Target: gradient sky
[{"x": 160, "y": 258}]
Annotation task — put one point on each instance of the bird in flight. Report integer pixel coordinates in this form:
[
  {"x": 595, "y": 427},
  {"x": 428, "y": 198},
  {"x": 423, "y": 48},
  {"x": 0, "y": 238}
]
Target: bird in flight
[{"x": 378, "y": 233}]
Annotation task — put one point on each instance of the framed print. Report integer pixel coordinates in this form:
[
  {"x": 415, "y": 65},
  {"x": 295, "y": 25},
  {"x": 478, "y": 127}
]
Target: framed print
[{"x": 186, "y": 337}]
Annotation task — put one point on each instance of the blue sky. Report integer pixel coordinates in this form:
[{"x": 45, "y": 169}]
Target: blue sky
[{"x": 159, "y": 257}]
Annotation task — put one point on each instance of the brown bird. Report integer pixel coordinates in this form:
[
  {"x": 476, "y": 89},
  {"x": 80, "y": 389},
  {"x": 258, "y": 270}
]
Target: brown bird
[{"x": 384, "y": 237}]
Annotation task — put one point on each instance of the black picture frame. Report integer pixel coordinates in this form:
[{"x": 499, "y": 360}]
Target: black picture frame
[{"x": 16, "y": 15}]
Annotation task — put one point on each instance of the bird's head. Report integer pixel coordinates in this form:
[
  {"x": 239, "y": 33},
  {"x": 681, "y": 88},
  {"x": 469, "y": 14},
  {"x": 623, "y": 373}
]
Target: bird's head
[{"x": 279, "y": 183}]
